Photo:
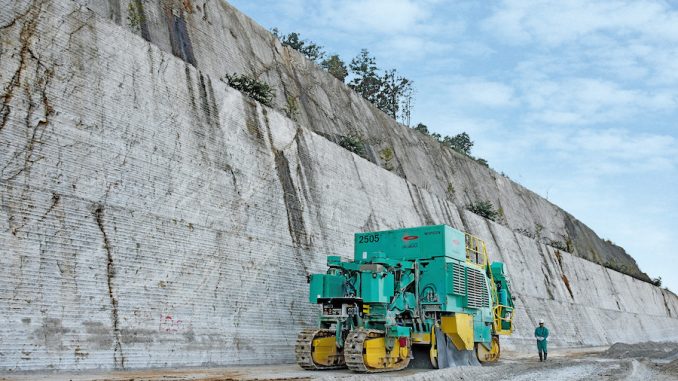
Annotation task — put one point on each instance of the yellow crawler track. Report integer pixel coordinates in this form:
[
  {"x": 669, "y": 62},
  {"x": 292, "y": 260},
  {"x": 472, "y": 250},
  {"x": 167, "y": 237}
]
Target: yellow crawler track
[
  {"x": 353, "y": 352},
  {"x": 304, "y": 350}
]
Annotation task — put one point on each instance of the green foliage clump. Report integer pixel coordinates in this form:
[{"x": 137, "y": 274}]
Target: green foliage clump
[
  {"x": 460, "y": 142},
  {"x": 657, "y": 281},
  {"x": 353, "y": 143},
  {"x": 569, "y": 244},
  {"x": 135, "y": 14},
  {"x": 386, "y": 155},
  {"x": 314, "y": 52},
  {"x": 525, "y": 232},
  {"x": 450, "y": 191},
  {"x": 482, "y": 162},
  {"x": 484, "y": 208},
  {"x": 366, "y": 80},
  {"x": 310, "y": 49},
  {"x": 538, "y": 228},
  {"x": 252, "y": 87},
  {"x": 421, "y": 127},
  {"x": 335, "y": 66},
  {"x": 558, "y": 245},
  {"x": 292, "y": 108}
]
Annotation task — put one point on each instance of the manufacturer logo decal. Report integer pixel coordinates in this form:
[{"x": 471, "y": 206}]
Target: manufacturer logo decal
[
  {"x": 455, "y": 242},
  {"x": 410, "y": 237}
]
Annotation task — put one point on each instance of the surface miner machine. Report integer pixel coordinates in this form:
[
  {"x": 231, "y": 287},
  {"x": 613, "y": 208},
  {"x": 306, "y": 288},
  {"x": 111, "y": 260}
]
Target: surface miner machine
[{"x": 425, "y": 297}]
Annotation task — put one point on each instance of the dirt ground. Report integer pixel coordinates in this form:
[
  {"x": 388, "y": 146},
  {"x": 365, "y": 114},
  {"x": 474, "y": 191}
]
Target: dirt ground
[{"x": 644, "y": 361}]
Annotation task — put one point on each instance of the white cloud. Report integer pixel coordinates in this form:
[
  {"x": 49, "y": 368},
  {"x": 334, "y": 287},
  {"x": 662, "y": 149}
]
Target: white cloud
[
  {"x": 555, "y": 23},
  {"x": 624, "y": 40},
  {"x": 569, "y": 101},
  {"x": 607, "y": 152},
  {"x": 409, "y": 47},
  {"x": 485, "y": 93},
  {"x": 376, "y": 16},
  {"x": 461, "y": 92}
]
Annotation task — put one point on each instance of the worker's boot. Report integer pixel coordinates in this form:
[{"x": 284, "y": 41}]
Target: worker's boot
[
  {"x": 541, "y": 358},
  {"x": 546, "y": 354}
]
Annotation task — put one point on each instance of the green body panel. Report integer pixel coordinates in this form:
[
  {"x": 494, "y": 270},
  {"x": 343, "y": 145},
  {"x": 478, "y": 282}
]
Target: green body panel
[
  {"x": 411, "y": 243},
  {"x": 403, "y": 281},
  {"x": 482, "y": 333},
  {"x": 376, "y": 287},
  {"x": 399, "y": 331},
  {"x": 325, "y": 286},
  {"x": 504, "y": 297}
]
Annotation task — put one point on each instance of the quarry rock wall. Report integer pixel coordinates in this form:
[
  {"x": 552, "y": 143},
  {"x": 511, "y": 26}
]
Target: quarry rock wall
[
  {"x": 151, "y": 216},
  {"x": 218, "y": 39}
]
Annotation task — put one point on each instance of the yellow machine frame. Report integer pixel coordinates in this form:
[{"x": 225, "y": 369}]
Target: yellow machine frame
[{"x": 476, "y": 255}]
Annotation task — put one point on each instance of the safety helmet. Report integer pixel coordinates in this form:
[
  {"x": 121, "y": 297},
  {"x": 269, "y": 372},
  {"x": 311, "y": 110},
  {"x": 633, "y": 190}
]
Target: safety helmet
[{"x": 541, "y": 321}]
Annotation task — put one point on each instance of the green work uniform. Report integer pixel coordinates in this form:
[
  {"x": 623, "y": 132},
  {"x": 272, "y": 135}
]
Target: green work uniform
[{"x": 541, "y": 344}]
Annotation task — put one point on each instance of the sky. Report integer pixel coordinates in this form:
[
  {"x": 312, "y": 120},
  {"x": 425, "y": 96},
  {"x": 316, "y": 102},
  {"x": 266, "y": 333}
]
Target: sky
[{"x": 576, "y": 100}]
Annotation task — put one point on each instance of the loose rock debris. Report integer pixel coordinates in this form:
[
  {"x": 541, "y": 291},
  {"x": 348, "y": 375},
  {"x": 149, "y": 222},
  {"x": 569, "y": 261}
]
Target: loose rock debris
[{"x": 642, "y": 361}]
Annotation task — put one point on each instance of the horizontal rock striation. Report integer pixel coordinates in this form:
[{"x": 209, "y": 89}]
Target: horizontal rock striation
[{"x": 218, "y": 39}]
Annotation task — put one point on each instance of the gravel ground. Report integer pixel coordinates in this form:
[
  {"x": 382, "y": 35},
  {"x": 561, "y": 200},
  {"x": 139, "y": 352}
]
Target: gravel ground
[{"x": 644, "y": 361}]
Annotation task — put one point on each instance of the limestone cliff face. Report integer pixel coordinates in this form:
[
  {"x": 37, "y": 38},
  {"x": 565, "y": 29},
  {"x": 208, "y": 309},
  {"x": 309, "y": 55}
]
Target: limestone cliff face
[
  {"x": 217, "y": 39},
  {"x": 151, "y": 216}
]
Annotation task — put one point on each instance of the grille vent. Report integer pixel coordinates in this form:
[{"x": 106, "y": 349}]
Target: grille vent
[
  {"x": 458, "y": 279},
  {"x": 477, "y": 295}
]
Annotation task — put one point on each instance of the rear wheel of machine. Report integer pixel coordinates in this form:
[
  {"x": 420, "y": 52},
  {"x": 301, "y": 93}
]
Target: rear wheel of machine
[
  {"x": 484, "y": 355},
  {"x": 316, "y": 349}
]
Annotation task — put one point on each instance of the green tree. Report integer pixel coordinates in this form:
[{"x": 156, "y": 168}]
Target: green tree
[
  {"x": 482, "y": 162},
  {"x": 310, "y": 49},
  {"x": 421, "y": 127},
  {"x": 407, "y": 104},
  {"x": 460, "y": 142},
  {"x": 366, "y": 80},
  {"x": 335, "y": 66},
  {"x": 392, "y": 93}
]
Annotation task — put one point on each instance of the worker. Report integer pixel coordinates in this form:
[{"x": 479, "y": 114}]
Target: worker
[{"x": 541, "y": 333}]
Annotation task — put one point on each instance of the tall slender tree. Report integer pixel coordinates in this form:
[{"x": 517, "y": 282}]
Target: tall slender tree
[{"x": 366, "y": 80}]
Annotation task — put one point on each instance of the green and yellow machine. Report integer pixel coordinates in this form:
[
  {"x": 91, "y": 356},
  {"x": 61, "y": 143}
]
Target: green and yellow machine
[{"x": 426, "y": 296}]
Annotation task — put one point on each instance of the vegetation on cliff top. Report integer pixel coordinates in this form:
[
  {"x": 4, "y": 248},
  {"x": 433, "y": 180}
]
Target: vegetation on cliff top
[{"x": 388, "y": 90}]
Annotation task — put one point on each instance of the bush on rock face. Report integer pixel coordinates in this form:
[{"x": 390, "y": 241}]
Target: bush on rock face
[
  {"x": 484, "y": 209},
  {"x": 252, "y": 87},
  {"x": 353, "y": 143}
]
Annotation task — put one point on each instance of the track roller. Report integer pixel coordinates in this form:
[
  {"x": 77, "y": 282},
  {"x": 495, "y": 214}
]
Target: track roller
[
  {"x": 365, "y": 351},
  {"x": 316, "y": 349}
]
